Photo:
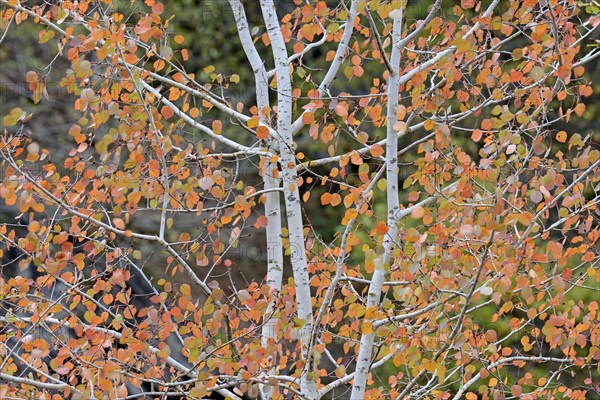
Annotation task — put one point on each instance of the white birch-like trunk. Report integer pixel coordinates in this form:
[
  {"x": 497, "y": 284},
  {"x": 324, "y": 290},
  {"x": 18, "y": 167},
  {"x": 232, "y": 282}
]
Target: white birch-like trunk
[
  {"x": 289, "y": 173},
  {"x": 365, "y": 352},
  {"x": 271, "y": 180},
  {"x": 274, "y": 264}
]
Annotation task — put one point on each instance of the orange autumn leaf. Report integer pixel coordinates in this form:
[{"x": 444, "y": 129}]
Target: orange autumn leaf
[
  {"x": 417, "y": 212},
  {"x": 261, "y": 222},
  {"x": 167, "y": 112},
  {"x": 382, "y": 228},
  {"x": 429, "y": 124},
  {"x": 262, "y": 132},
  {"x": 217, "y": 126},
  {"x": 376, "y": 150},
  {"x": 119, "y": 223}
]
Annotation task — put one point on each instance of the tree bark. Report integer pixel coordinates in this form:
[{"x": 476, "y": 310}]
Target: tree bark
[{"x": 289, "y": 174}]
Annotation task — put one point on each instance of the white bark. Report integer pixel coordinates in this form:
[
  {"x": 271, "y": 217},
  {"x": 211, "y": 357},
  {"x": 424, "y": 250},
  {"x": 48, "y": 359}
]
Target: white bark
[
  {"x": 274, "y": 263},
  {"x": 271, "y": 181},
  {"x": 365, "y": 352},
  {"x": 35, "y": 383},
  {"x": 289, "y": 174}
]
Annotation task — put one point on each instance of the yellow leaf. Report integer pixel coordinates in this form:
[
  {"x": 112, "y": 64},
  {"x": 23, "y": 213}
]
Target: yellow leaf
[
  {"x": 253, "y": 122},
  {"x": 185, "y": 289},
  {"x": 371, "y": 313},
  {"x": 367, "y": 328},
  {"x": 350, "y": 215},
  {"x": 340, "y": 371},
  {"x": 429, "y": 124}
]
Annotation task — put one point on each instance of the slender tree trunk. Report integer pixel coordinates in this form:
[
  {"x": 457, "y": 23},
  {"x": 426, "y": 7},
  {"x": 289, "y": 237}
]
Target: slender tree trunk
[
  {"x": 271, "y": 180},
  {"x": 289, "y": 174},
  {"x": 365, "y": 353}
]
